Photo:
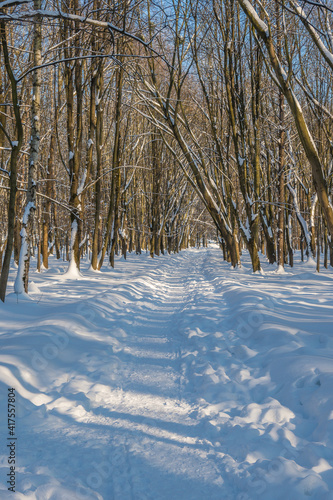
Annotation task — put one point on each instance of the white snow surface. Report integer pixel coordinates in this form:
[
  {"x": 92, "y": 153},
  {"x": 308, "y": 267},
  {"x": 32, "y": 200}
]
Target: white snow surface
[{"x": 173, "y": 378}]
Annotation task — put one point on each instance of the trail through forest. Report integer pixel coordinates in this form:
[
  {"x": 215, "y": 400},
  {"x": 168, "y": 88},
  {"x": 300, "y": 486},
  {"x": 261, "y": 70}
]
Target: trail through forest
[{"x": 170, "y": 378}]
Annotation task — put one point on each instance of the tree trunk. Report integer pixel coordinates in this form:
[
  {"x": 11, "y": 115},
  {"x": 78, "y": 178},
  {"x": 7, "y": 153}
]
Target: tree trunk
[{"x": 15, "y": 151}]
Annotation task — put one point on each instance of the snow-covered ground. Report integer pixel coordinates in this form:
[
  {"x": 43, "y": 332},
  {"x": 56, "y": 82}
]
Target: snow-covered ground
[{"x": 174, "y": 378}]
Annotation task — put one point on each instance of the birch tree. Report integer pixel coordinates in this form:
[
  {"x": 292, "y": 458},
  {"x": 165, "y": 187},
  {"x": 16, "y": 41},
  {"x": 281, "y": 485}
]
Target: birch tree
[{"x": 22, "y": 278}]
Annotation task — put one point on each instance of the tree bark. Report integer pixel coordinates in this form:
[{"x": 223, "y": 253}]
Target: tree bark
[{"x": 15, "y": 150}]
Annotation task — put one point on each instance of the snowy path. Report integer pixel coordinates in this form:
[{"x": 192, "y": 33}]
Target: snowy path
[{"x": 176, "y": 379}]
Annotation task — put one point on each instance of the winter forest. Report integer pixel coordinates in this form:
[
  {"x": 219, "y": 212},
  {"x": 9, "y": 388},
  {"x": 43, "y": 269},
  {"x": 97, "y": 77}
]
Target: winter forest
[{"x": 166, "y": 251}]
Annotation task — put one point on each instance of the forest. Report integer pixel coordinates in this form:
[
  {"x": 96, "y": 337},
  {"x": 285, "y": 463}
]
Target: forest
[
  {"x": 161, "y": 125},
  {"x": 166, "y": 249}
]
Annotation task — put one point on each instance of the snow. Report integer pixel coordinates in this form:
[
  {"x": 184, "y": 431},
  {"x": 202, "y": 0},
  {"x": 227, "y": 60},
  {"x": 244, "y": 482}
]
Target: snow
[
  {"x": 241, "y": 160},
  {"x": 269, "y": 229},
  {"x": 72, "y": 270},
  {"x": 280, "y": 269},
  {"x": 253, "y": 15},
  {"x": 170, "y": 378},
  {"x": 30, "y": 206},
  {"x": 299, "y": 215},
  {"x": 82, "y": 183},
  {"x": 314, "y": 201},
  {"x": 33, "y": 288},
  {"x": 19, "y": 285},
  {"x": 245, "y": 229}
]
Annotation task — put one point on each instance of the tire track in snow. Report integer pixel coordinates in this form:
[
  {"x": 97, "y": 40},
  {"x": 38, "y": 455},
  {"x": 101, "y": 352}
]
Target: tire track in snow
[
  {"x": 177, "y": 295},
  {"x": 181, "y": 289}
]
